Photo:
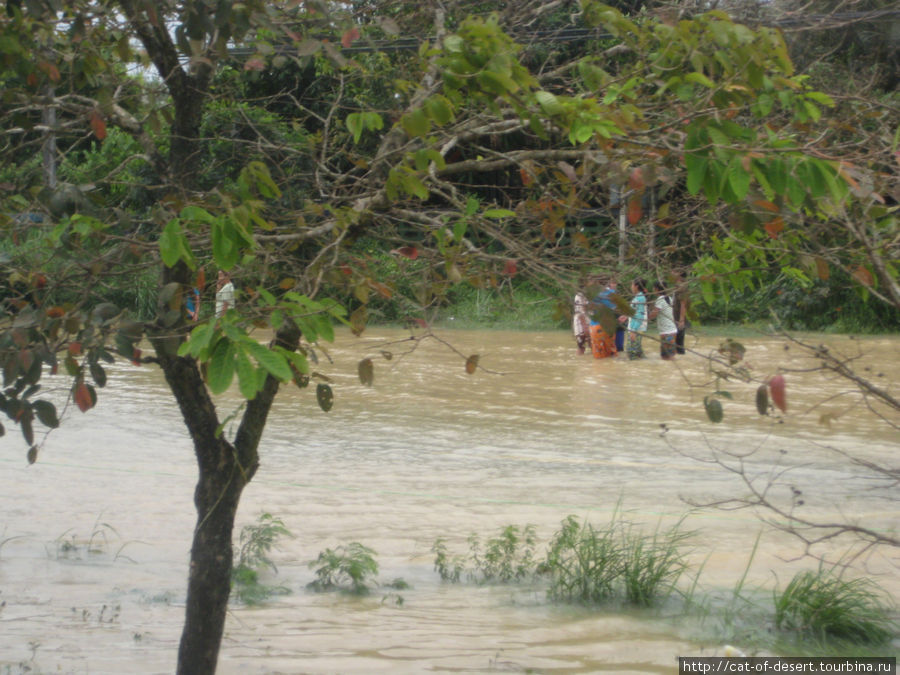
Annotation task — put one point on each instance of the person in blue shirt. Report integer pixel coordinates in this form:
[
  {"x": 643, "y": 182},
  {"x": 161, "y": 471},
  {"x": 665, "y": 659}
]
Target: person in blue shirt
[{"x": 637, "y": 322}]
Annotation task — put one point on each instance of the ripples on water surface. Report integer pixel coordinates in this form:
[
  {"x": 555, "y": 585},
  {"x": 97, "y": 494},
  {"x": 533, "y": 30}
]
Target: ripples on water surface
[{"x": 428, "y": 451}]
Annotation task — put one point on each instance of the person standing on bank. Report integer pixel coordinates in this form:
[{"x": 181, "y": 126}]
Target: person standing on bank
[
  {"x": 224, "y": 293},
  {"x": 665, "y": 322},
  {"x": 680, "y": 310}
]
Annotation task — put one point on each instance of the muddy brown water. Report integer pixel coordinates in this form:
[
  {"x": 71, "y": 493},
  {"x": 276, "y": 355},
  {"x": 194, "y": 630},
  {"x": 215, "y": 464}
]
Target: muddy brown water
[{"x": 94, "y": 538}]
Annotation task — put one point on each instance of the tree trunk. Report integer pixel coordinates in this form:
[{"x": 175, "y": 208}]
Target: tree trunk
[
  {"x": 225, "y": 469},
  {"x": 209, "y": 581}
]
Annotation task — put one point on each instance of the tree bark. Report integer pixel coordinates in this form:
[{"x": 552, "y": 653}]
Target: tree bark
[{"x": 224, "y": 469}]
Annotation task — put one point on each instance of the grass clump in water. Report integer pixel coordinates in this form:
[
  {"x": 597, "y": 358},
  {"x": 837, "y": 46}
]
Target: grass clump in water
[
  {"x": 652, "y": 563},
  {"x": 821, "y": 605},
  {"x": 583, "y": 563}
]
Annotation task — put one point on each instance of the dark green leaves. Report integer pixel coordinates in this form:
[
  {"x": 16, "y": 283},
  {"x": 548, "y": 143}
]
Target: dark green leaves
[
  {"x": 762, "y": 400},
  {"x": 324, "y": 396},
  {"x": 46, "y": 413},
  {"x": 220, "y": 369},
  {"x": 366, "y": 371},
  {"x": 713, "y": 409}
]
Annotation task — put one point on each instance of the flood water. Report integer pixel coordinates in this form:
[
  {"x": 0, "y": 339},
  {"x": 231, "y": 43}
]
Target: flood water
[{"x": 429, "y": 451}]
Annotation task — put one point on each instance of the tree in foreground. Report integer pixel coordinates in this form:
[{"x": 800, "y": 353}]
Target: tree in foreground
[{"x": 200, "y": 136}]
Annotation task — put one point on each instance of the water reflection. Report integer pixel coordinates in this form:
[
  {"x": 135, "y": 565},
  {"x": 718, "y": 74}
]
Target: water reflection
[{"x": 428, "y": 451}]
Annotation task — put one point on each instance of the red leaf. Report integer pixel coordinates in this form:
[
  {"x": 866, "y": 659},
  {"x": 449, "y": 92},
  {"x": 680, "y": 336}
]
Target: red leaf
[
  {"x": 510, "y": 268},
  {"x": 526, "y": 177},
  {"x": 98, "y": 125},
  {"x": 83, "y": 398},
  {"x": 767, "y": 205},
  {"x": 636, "y": 179},
  {"x": 634, "y": 210},
  {"x": 75, "y": 348},
  {"x": 51, "y": 70},
  {"x": 863, "y": 276},
  {"x": 349, "y": 37},
  {"x": 410, "y": 252},
  {"x": 776, "y": 389},
  {"x": 472, "y": 364},
  {"x": 255, "y": 64},
  {"x": 136, "y": 356},
  {"x": 774, "y": 227}
]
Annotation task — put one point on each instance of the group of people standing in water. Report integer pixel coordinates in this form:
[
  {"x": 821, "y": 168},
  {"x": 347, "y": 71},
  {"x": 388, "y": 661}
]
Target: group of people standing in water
[{"x": 668, "y": 306}]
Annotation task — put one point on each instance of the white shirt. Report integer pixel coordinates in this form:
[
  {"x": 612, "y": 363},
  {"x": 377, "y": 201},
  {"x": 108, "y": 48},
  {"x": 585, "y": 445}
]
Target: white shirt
[
  {"x": 224, "y": 295},
  {"x": 665, "y": 320}
]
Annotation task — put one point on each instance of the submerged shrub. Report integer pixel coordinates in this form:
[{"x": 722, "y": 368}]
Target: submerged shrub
[
  {"x": 252, "y": 556},
  {"x": 510, "y": 556},
  {"x": 350, "y": 568},
  {"x": 822, "y": 605},
  {"x": 507, "y": 557},
  {"x": 450, "y": 567}
]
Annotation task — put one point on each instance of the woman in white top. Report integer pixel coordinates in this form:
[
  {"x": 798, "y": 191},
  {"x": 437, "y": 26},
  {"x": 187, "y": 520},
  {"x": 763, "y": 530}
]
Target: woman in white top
[
  {"x": 224, "y": 293},
  {"x": 665, "y": 322}
]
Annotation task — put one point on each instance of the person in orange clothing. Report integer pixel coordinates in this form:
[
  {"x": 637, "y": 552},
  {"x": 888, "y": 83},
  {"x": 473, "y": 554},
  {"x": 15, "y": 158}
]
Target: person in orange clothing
[{"x": 603, "y": 344}]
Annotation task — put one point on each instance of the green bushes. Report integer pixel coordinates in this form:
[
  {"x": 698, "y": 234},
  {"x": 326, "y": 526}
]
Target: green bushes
[
  {"x": 351, "y": 567},
  {"x": 834, "y": 305},
  {"x": 253, "y": 556}
]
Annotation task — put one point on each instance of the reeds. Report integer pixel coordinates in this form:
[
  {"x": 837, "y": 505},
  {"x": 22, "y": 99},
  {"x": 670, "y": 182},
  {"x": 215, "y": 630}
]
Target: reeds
[
  {"x": 822, "y": 605},
  {"x": 591, "y": 565}
]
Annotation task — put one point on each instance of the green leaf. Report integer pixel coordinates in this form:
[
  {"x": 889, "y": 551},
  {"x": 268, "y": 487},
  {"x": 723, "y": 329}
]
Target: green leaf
[
  {"x": 220, "y": 369},
  {"x": 713, "y": 409},
  {"x": 246, "y": 373},
  {"x": 696, "y": 172},
  {"x": 226, "y": 252},
  {"x": 738, "y": 178},
  {"x": 366, "y": 371},
  {"x": 273, "y": 363},
  {"x": 355, "y": 125},
  {"x": 459, "y": 230},
  {"x": 325, "y": 397},
  {"x": 199, "y": 340},
  {"x": 416, "y": 123},
  {"x": 499, "y": 213},
  {"x": 439, "y": 109},
  {"x": 46, "y": 413},
  {"x": 548, "y": 102},
  {"x": 173, "y": 244},
  {"x": 198, "y": 214},
  {"x": 701, "y": 79}
]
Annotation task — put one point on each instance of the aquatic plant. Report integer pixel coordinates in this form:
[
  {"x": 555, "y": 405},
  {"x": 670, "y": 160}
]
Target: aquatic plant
[
  {"x": 350, "y": 568},
  {"x": 449, "y": 567},
  {"x": 71, "y": 545},
  {"x": 584, "y": 563},
  {"x": 507, "y": 557},
  {"x": 253, "y": 555},
  {"x": 652, "y": 563},
  {"x": 822, "y": 605}
]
